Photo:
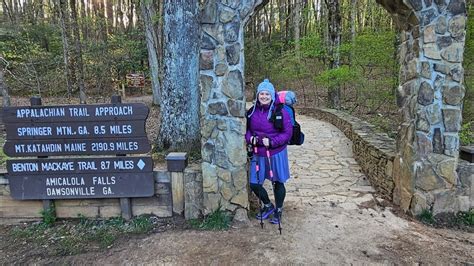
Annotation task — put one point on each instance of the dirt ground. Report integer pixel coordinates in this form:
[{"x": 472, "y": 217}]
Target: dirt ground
[
  {"x": 315, "y": 230},
  {"x": 311, "y": 234}
]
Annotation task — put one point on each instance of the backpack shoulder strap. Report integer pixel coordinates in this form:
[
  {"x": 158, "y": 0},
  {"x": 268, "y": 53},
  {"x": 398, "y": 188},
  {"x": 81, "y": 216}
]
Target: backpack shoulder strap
[
  {"x": 291, "y": 112},
  {"x": 249, "y": 111}
]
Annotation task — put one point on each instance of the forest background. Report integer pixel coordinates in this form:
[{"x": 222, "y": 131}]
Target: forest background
[{"x": 85, "y": 48}]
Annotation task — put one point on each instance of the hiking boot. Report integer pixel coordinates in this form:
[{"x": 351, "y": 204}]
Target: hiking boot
[
  {"x": 276, "y": 216},
  {"x": 265, "y": 212}
]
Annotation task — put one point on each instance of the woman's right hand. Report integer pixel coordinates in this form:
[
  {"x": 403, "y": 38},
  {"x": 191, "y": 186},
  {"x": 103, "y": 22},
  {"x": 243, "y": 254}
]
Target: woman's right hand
[{"x": 254, "y": 140}]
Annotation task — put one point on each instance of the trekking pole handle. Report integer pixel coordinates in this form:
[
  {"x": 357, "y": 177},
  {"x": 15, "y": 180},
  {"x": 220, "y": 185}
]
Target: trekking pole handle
[
  {"x": 270, "y": 164},
  {"x": 255, "y": 151}
]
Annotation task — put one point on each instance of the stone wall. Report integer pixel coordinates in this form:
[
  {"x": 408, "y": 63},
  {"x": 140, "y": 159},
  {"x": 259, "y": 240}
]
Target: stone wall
[
  {"x": 223, "y": 103},
  {"x": 373, "y": 151},
  {"x": 430, "y": 97},
  {"x": 19, "y": 210},
  {"x": 376, "y": 152}
]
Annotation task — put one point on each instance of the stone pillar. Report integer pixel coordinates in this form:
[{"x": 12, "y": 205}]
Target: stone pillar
[
  {"x": 430, "y": 98},
  {"x": 223, "y": 103}
]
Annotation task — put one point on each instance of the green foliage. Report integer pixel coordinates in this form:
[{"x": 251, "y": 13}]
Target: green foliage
[
  {"x": 32, "y": 231},
  {"x": 105, "y": 232},
  {"x": 312, "y": 47},
  {"x": 217, "y": 220},
  {"x": 49, "y": 216},
  {"x": 466, "y": 218},
  {"x": 466, "y": 135},
  {"x": 287, "y": 68},
  {"x": 375, "y": 50},
  {"x": 141, "y": 225},
  {"x": 383, "y": 125},
  {"x": 33, "y": 54},
  {"x": 35, "y": 57},
  {"x": 337, "y": 77},
  {"x": 426, "y": 216},
  {"x": 69, "y": 238},
  {"x": 452, "y": 220},
  {"x": 259, "y": 57}
]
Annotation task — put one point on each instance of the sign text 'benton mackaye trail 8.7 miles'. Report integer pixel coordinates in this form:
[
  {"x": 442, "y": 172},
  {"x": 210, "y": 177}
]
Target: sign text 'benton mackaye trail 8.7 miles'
[{"x": 103, "y": 129}]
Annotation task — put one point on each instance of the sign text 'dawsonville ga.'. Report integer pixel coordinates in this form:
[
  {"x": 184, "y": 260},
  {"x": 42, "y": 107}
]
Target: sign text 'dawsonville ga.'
[{"x": 76, "y": 186}]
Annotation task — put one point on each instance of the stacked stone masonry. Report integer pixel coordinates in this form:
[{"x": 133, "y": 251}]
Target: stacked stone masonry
[
  {"x": 224, "y": 173},
  {"x": 430, "y": 98}
]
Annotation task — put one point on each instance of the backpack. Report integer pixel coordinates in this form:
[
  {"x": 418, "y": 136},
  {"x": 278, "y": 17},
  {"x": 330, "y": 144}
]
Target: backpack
[{"x": 287, "y": 99}]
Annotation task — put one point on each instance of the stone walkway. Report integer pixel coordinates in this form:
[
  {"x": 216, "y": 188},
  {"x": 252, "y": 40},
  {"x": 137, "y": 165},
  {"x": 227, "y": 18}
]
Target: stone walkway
[{"x": 324, "y": 169}]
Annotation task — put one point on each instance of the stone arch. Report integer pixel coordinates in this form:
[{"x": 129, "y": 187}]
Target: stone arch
[{"x": 430, "y": 97}]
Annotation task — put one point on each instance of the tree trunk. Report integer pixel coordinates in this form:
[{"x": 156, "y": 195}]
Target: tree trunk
[
  {"x": 64, "y": 23},
  {"x": 296, "y": 27},
  {"x": 130, "y": 16},
  {"x": 16, "y": 11},
  {"x": 121, "y": 22},
  {"x": 40, "y": 12},
  {"x": 268, "y": 24},
  {"x": 179, "y": 130},
  {"x": 281, "y": 20},
  {"x": 110, "y": 16},
  {"x": 353, "y": 26},
  {"x": 334, "y": 28},
  {"x": 287, "y": 21},
  {"x": 83, "y": 11},
  {"x": 148, "y": 14},
  {"x": 78, "y": 48},
  {"x": 8, "y": 10}
]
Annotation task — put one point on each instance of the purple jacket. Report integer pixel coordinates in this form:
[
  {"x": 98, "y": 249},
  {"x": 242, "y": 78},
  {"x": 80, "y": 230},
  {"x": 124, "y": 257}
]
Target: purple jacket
[{"x": 261, "y": 127}]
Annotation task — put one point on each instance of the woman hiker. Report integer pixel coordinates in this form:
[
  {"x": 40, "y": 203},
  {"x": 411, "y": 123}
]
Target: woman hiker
[{"x": 263, "y": 136}]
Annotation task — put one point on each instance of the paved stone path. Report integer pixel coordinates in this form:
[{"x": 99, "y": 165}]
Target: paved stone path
[{"x": 323, "y": 169}]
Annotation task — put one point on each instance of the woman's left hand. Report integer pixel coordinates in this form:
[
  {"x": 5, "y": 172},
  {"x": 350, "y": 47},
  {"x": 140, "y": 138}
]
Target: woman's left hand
[{"x": 266, "y": 142}]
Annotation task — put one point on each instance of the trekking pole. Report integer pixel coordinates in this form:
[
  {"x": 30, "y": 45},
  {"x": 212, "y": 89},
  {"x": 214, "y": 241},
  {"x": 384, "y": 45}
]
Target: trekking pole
[
  {"x": 273, "y": 184},
  {"x": 257, "y": 169}
]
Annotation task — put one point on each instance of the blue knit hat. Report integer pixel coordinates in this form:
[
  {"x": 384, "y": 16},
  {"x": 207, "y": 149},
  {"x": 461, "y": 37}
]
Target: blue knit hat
[{"x": 266, "y": 85}]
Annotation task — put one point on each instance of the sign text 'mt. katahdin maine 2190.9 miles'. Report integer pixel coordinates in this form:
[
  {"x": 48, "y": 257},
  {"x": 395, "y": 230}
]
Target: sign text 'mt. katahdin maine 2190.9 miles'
[{"x": 105, "y": 129}]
